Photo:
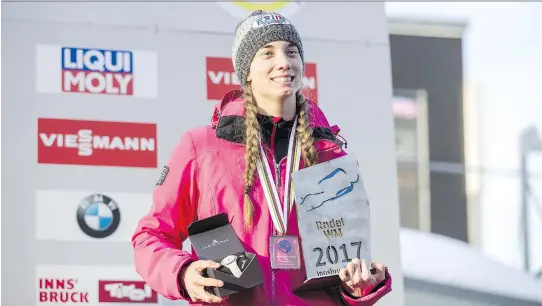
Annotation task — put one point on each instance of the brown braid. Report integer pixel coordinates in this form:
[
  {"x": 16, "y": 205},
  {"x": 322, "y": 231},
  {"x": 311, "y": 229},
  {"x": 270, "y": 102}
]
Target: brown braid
[
  {"x": 251, "y": 152},
  {"x": 310, "y": 157}
]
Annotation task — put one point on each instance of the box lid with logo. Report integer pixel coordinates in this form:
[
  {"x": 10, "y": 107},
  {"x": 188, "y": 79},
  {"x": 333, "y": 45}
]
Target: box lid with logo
[{"x": 214, "y": 238}]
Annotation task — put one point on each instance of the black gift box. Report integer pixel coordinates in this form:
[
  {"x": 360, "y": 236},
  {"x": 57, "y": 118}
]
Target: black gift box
[{"x": 214, "y": 239}]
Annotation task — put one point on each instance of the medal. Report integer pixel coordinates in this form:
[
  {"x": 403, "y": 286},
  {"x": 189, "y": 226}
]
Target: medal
[{"x": 284, "y": 250}]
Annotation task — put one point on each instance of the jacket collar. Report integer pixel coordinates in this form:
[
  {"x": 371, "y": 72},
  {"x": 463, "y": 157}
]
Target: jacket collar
[{"x": 228, "y": 120}]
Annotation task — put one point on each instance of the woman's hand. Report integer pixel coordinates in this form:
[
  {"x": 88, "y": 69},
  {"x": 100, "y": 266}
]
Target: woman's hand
[
  {"x": 195, "y": 283},
  {"x": 357, "y": 279}
]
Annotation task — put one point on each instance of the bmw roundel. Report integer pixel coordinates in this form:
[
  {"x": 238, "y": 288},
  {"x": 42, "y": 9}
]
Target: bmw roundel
[{"x": 98, "y": 216}]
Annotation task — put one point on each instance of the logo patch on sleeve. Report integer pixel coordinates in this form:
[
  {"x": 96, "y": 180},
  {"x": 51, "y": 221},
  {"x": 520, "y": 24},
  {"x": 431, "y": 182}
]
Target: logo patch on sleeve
[{"x": 163, "y": 176}]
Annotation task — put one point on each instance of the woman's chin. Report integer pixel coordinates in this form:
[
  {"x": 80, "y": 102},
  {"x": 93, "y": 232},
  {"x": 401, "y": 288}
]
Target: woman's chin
[{"x": 286, "y": 92}]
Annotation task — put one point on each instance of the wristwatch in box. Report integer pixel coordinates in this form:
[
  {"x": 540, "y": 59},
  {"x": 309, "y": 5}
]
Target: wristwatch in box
[{"x": 231, "y": 263}]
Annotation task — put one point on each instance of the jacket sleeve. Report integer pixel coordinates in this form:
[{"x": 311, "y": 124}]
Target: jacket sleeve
[
  {"x": 372, "y": 297},
  {"x": 159, "y": 235}
]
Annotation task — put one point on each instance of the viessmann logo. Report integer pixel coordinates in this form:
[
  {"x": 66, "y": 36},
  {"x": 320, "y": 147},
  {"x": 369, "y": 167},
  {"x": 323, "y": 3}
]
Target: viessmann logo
[
  {"x": 102, "y": 143},
  {"x": 221, "y": 78},
  {"x": 96, "y": 71},
  {"x": 126, "y": 292}
]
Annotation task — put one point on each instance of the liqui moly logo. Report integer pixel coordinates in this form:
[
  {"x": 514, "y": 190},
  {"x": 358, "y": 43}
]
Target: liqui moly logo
[
  {"x": 221, "y": 78},
  {"x": 136, "y": 292},
  {"x": 78, "y": 142},
  {"x": 58, "y": 291},
  {"x": 96, "y": 71}
]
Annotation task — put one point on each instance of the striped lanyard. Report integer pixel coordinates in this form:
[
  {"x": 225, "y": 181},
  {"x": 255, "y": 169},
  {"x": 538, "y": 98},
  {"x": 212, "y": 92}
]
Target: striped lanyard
[{"x": 279, "y": 213}]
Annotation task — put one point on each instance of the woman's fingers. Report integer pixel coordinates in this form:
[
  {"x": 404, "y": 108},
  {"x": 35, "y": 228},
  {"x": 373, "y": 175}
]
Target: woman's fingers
[
  {"x": 380, "y": 273},
  {"x": 201, "y": 265},
  {"x": 357, "y": 277},
  {"x": 365, "y": 271},
  {"x": 195, "y": 283},
  {"x": 209, "y": 282},
  {"x": 205, "y": 296},
  {"x": 356, "y": 272}
]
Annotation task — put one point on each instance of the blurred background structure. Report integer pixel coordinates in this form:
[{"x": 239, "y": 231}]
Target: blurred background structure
[
  {"x": 470, "y": 160},
  {"x": 458, "y": 85}
]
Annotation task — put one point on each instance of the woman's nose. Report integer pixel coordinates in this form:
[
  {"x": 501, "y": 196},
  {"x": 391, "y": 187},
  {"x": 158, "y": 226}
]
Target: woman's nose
[{"x": 283, "y": 62}]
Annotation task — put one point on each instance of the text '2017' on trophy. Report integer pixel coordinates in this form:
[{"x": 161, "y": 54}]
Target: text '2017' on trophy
[{"x": 334, "y": 219}]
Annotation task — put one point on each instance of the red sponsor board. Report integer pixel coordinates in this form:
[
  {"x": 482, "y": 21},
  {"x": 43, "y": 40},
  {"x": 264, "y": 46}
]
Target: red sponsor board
[
  {"x": 310, "y": 84},
  {"x": 126, "y": 292},
  {"x": 97, "y": 143},
  {"x": 221, "y": 78}
]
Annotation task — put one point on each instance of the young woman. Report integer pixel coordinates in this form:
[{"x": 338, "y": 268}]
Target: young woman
[{"x": 217, "y": 169}]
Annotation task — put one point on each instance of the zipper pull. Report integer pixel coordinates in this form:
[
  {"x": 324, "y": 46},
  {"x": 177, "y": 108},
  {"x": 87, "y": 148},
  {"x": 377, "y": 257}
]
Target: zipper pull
[{"x": 277, "y": 172}]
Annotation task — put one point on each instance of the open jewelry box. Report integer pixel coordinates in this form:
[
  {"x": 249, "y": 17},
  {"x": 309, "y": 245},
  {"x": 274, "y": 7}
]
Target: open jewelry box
[{"x": 214, "y": 239}]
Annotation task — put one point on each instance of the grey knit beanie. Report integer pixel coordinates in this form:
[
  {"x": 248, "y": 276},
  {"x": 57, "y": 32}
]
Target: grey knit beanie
[{"x": 254, "y": 32}]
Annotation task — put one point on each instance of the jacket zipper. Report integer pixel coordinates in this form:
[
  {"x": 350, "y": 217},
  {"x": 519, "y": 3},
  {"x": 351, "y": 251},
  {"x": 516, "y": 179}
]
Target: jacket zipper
[
  {"x": 272, "y": 145},
  {"x": 277, "y": 173}
]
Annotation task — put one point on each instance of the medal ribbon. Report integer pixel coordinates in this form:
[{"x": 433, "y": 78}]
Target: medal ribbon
[{"x": 278, "y": 215}]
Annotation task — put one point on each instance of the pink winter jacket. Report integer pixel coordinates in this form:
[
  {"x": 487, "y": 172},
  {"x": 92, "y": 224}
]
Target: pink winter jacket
[{"x": 205, "y": 178}]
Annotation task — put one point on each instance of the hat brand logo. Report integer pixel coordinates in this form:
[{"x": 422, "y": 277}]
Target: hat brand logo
[{"x": 269, "y": 19}]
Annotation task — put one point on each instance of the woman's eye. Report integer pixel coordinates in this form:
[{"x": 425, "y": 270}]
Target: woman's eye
[{"x": 266, "y": 53}]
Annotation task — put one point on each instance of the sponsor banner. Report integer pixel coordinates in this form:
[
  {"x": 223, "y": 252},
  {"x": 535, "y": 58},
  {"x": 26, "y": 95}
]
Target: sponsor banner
[
  {"x": 242, "y": 9},
  {"x": 89, "y": 215},
  {"x": 71, "y": 69},
  {"x": 97, "y": 143},
  {"x": 221, "y": 78},
  {"x": 122, "y": 291},
  {"x": 310, "y": 83},
  {"x": 92, "y": 285}
]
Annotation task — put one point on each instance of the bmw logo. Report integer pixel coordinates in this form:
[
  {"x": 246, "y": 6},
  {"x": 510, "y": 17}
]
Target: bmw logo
[{"x": 98, "y": 216}]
